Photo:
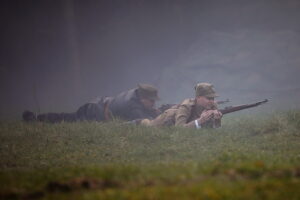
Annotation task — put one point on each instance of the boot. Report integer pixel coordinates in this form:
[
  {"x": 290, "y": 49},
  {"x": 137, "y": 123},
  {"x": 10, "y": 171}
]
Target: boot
[{"x": 28, "y": 116}]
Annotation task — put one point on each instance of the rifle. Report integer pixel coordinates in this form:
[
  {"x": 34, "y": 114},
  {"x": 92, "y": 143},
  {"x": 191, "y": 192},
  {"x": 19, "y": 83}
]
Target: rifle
[
  {"x": 217, "y": 123},
  {"x": 231, "y": 109}
]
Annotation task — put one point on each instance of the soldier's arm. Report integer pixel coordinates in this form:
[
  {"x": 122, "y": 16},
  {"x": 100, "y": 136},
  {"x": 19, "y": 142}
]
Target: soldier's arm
[{"x": 182, "y": 116}]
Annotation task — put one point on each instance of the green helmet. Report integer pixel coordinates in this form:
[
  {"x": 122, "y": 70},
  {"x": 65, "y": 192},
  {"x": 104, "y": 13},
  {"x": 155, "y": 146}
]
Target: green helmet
[
  {"x": 205, "y": 89},
  {"x": 147, "y": 91}
]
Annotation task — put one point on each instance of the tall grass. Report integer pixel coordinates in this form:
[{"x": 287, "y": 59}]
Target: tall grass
[{"x": 247, "y": 153}]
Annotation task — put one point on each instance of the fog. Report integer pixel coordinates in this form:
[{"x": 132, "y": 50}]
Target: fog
[{"x": 58, "y": 55}]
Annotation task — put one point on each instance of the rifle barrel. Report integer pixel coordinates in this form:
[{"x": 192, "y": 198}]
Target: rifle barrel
[{"x": 241, "y": 107}]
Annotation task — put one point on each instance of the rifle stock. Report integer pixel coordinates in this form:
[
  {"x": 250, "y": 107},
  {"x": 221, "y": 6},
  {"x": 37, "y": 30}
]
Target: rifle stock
[{"x": 231, "y": 109}]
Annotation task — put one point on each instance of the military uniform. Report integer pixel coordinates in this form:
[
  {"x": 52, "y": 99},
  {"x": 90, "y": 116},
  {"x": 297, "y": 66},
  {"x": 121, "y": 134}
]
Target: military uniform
[
  {"x": 126, "y": 106},
  {"x": 182, "y": 114}
]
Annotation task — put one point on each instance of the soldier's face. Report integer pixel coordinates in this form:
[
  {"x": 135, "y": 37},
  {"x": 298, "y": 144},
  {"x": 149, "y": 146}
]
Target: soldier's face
[
  {"x": 205, "y": 102},
  {"x": 148, "y": 103}
]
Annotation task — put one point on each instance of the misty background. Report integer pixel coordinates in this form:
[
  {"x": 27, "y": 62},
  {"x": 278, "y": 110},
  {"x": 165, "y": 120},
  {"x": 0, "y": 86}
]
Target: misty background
[{"x": 57, "y": 55}]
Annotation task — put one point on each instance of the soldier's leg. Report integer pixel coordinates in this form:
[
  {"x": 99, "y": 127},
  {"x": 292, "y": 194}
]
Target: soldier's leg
[
  {"x": 57, "y": 117},
  {"x": 89, "y": 112},
  {"x": 29, "y": 116}
]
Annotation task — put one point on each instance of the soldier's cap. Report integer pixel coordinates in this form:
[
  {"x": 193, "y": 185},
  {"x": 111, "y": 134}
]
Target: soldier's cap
[
  {"x": 147, "y": 91},
  {"x": 205, "y": 89}
]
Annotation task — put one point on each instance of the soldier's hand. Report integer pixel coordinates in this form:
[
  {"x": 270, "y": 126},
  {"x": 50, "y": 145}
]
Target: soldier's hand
[
  {"x": 217, "y": 114},
  {"x": 208, "y": 115}
]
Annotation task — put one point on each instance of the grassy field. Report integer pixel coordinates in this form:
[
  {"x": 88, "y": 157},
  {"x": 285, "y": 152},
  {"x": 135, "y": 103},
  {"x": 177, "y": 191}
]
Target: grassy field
[{"x": 250, "y": 157}]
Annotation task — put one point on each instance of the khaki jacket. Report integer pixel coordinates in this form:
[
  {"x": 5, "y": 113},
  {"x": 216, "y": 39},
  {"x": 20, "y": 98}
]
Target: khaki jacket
[{"x": 182, "y": 114}]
